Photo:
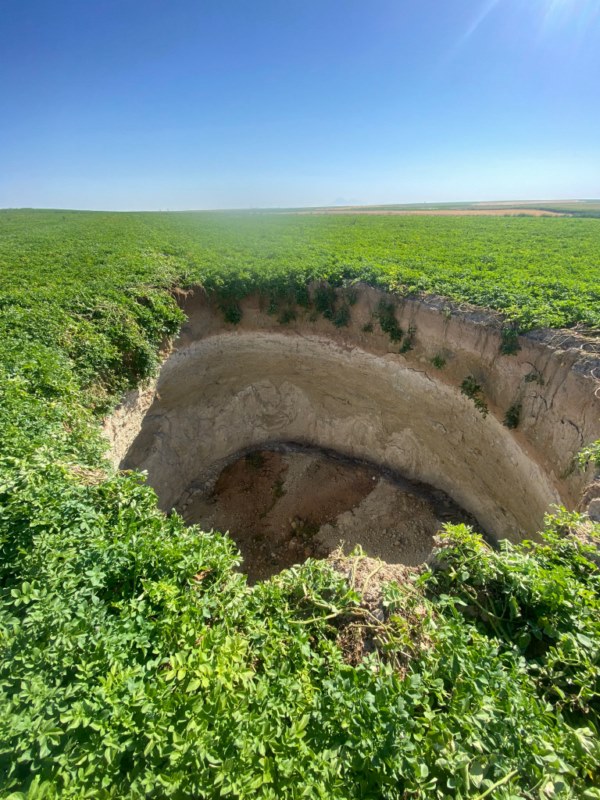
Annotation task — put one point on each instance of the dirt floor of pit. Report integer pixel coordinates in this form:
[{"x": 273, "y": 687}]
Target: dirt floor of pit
[{"x": 284, "y": 506}]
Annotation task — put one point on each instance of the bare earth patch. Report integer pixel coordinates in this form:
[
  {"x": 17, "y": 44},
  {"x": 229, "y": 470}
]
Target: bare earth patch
[
  {"x": 373, "y": 626},
  {"x": 284, "y": 506}
]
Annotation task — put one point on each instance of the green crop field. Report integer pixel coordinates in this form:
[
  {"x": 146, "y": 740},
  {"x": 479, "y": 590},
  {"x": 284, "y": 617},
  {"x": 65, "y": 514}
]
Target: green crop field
[{"x": 136, "y": 662}]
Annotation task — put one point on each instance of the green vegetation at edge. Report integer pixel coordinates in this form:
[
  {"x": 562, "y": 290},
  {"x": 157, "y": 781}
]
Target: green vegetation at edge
[
  {"x": 135, "y": 661},
  {"x": 539, "y": 272}
]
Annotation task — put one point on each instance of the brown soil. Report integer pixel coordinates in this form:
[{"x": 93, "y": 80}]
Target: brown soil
[
  {"x": 282, "y": 507},
  {"x": 368, "y": 628}
]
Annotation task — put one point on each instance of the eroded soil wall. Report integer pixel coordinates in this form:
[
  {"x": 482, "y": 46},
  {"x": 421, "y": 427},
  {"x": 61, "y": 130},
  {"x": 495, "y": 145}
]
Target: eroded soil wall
[{"x": 227, "y": 388}]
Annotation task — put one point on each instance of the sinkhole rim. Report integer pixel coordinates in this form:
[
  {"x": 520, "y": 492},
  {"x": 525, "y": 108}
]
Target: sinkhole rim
[{"x": 207, "y": 345}]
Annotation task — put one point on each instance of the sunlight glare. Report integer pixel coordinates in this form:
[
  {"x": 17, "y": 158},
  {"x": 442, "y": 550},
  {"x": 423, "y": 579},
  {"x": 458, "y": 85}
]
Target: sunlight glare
[{"x": 563, "y": 12}]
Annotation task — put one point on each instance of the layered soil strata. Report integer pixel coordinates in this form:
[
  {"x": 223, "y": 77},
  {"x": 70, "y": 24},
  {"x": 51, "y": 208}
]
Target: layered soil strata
[{"x": 226, "y": 389}]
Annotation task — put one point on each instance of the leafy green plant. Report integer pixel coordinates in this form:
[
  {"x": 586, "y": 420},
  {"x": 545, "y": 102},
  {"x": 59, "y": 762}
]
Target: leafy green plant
[
  {"x": 325, "y": 300},
  {"x": 232, "y": 313},
  {"x": 525, "y": 595},
  {"x": 513, "y": 416},
  {"x": 535, "y": 377},
  {"x": 351, "y": 295},
  {"x": 473, "y": 390},
  {"x": 341, "y": 318},
  {"x": 509, "y": 340},
  {"x": 287, "y": 315},
  {"x": 386, "y": 315},
  {"x": 409, "y": 340},
  {"x": 438, "y": 361},
  {"x": 302, "y": 296},
  {"x": 589, "y": 455}
]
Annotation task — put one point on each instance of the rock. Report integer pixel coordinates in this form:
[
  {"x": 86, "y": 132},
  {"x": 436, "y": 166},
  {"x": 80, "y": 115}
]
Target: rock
[{"x": 594, "y": 510}]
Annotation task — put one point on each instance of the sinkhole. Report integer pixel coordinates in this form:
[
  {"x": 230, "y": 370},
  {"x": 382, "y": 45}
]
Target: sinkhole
[{"x": 296, "y": 437}]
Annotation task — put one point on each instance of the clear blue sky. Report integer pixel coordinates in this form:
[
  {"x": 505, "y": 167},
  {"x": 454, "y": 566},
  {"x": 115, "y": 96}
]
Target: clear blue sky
[{"x": 172, "y": 104}]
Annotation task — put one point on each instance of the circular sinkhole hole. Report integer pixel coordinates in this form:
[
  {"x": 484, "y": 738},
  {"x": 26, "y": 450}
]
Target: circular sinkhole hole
[
  {"x": 284, "y": 503},
  {"x": 373, "y": 432}
]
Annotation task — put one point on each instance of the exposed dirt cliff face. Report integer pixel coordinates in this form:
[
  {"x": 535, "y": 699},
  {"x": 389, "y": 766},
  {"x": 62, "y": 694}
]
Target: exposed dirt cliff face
[{"x": 226, "y": 390}]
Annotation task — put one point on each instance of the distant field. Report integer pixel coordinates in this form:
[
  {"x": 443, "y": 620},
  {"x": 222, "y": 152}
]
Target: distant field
[
  {"x": 508, "y": 211},
  {"x": 539, "y": 272},
  {"x": 502, "y": 208},
  {"x": 582, "y": 208}
]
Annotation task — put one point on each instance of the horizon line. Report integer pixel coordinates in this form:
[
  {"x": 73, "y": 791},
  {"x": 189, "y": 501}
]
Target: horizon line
[{"x": 409, "y": 205}]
